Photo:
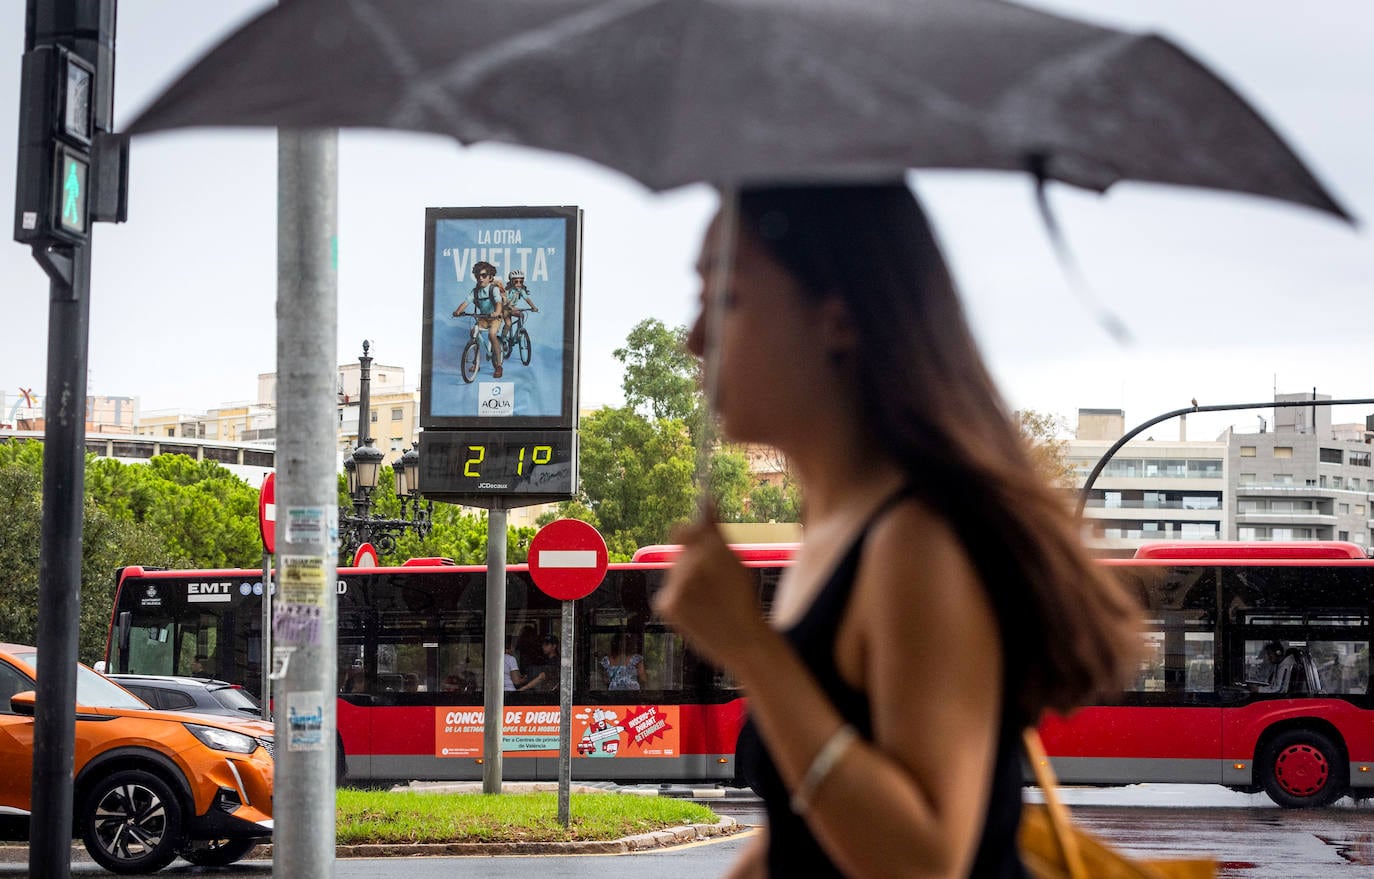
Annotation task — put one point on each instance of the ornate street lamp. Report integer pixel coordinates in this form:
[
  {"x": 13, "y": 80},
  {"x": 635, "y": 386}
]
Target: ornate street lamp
[{"x": 363, "y": 465}]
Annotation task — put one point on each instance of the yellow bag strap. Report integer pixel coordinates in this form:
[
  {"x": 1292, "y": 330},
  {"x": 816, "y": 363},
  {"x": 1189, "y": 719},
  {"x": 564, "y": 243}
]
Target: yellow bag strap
[{"x": 1057, "y": 812}]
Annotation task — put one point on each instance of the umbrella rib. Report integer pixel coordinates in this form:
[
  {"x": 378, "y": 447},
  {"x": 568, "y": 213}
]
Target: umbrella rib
[
  {"x": 393, "y": 48},
  {"x": 437, "y": 92}
]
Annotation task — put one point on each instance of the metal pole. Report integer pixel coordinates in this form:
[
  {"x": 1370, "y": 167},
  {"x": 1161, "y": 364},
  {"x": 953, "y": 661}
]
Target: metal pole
[
  {"x": 304, "y": 613},
  {"x": 494, "y": 661},
  {"x": 59, "y": 578},
  {"x": 364, "y": 396},
  {"x": 565, "y": 669},
  {"x": 266, "y": 691}
]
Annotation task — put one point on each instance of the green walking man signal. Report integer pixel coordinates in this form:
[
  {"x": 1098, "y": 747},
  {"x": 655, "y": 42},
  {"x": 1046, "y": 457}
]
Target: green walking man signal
[{"x": 74, "y": 173}]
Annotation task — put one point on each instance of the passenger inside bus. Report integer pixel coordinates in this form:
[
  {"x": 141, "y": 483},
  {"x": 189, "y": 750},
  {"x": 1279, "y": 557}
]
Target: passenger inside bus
[
  {"x": 545, "y": 674},
  {"x": 1281, "y": 665},
  {"x": 512, "y": 677},
  {"x": 459, "y": 683},
  {"x": 624, "y": 666},
  {"x": 355, "y": 681}
]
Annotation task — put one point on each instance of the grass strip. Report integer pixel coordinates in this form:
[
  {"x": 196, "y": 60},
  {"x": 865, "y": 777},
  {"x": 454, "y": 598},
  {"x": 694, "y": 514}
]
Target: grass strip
[{"x": 391, "y": 817}]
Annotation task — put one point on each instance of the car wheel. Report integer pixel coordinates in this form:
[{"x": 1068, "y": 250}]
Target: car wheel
[
  {"x": 218, "y": 852},
  {"x": 131, "y": 822},
  {"x": 1302, "y": 769}
]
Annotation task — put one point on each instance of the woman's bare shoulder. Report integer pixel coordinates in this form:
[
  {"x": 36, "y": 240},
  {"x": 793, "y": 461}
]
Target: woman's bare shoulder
[
  {"x": 913, "y": 534},
  {"x": 914, "y": 563}
]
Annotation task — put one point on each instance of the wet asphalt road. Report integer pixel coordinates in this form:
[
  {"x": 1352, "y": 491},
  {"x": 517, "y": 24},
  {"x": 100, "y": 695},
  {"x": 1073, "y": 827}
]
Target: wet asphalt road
[{"x": 1251, "y": 838}]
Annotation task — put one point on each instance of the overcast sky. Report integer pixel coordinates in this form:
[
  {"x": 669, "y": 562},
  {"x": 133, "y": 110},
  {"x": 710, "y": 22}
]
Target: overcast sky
[{"x": 1228, "y": 298}]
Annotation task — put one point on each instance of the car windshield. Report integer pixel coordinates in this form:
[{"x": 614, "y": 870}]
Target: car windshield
[{"x": 92, "y": 690}]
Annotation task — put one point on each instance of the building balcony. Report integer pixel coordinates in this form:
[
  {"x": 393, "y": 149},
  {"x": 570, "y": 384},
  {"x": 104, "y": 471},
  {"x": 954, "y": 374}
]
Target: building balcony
[{"x": 1306, "y": 520}]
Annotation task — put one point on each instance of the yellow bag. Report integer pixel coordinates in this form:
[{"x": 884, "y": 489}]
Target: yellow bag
[{"x": 1053, "y": 848}]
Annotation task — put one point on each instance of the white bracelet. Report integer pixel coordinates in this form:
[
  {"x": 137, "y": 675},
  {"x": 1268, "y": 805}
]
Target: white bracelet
[{"x": 825, "y": 760}]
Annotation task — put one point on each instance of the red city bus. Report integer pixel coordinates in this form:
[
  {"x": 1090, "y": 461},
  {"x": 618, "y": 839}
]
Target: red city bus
[
  {"x": 411, "y": 650},
  {"x": 1207, "y": 706}
]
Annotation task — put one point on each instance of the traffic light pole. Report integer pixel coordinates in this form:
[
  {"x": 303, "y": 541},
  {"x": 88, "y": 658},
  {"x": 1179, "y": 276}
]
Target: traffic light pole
[
  {"x": 71, "y": 172},
  {"x": 59, "y": 592}
]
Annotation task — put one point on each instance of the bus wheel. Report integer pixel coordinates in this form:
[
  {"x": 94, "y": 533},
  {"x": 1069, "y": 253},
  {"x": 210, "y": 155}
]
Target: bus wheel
[{"x": 1302, "y": 769}]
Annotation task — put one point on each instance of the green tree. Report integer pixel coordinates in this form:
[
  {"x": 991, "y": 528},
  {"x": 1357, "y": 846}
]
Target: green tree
[
  {"x": 730, "y": 483},
  {"x": 774, "y": 503},
  {"x": 454, "y": 534},
  {"x": 661, "y": 376},
  {"x": 110, "y": 539},
  {"x": 643, "y": 465},
  {"x": 205, "y": 514},
  {"x": 637, "y": 475}
]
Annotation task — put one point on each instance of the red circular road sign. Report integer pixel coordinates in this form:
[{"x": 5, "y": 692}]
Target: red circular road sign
[
  {"x": 365, "y": 557},
  {"x": 567, "y": 559},
  {"x": 267, "y": 512}
]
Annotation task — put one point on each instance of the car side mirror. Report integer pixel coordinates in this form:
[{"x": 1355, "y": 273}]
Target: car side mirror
[{"x": 23, "y": 703}]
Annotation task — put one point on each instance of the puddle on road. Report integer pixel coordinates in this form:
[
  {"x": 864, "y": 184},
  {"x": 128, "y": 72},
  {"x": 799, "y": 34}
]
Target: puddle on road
[{"x": 1358, "y": 849}]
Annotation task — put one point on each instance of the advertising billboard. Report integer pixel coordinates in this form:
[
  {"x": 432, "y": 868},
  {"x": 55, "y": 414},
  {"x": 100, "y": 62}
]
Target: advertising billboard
[
  {"x": 501, "y": 312},
  {"x": 499, "y": 369}
]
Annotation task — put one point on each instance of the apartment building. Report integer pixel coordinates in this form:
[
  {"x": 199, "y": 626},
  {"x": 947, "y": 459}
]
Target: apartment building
[
  {"x": 1306, "y": 479},
  {"x": 1152, "y": 489},
  {"x": 1302, "y": 478}
]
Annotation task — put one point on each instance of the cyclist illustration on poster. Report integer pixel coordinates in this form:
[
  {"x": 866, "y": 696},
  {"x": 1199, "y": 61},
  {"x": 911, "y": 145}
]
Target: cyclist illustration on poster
[{"x": 489, "y": 359}]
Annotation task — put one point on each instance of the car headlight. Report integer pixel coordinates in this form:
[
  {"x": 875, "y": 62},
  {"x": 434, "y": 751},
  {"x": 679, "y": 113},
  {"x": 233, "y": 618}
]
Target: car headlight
[{"x": 223, "y": 739}]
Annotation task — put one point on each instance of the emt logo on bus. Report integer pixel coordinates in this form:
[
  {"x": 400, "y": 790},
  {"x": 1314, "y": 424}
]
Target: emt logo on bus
[{"x": 214, "y": 591}]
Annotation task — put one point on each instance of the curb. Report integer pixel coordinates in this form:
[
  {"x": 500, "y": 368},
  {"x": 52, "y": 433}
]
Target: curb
[
  {"x": 625, "y": 845},
  {"x": 638, "y": 843},
  {"x": 709, "y": 793}
]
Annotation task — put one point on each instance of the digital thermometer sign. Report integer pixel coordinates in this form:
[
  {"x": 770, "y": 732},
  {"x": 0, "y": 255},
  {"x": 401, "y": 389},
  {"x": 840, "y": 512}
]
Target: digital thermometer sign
[{"x": 531, "y": 465}]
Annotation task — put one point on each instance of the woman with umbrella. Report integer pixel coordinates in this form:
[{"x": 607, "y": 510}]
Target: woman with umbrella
[{"x": 941, "y": 601}]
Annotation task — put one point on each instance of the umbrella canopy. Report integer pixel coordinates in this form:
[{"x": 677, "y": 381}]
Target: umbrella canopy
[{"x": 749, "y": 91}]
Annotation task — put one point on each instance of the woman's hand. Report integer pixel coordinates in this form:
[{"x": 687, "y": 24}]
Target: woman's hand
[{"x": 710, "y": 597}]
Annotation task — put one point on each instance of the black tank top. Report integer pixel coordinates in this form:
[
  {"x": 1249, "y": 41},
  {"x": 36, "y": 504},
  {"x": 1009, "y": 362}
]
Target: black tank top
[{"x": 792, "y": 848}]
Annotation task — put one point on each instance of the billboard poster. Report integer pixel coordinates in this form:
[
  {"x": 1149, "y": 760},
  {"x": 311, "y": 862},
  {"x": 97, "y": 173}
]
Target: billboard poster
[
  {"x": 501, "y": 316},
  {"x": 598, "y": 731}
]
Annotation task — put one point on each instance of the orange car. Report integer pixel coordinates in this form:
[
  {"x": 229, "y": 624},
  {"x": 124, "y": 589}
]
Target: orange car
[{"x": 150, "y": 785}]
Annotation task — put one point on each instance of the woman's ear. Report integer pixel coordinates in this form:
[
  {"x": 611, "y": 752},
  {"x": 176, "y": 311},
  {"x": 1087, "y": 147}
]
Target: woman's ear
[{"x": 838, "y": 333}]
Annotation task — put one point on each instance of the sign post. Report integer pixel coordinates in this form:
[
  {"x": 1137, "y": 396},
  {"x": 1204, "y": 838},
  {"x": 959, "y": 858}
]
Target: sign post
[
  {"x": 267, "y": 525},
  {"x": 567, "y": 561}
]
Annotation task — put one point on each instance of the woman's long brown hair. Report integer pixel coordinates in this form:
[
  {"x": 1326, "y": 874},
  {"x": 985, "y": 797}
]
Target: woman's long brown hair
[{"x": 1069, "y": 631}]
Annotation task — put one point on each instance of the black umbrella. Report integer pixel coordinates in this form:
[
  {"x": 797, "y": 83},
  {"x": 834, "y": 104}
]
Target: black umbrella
[{"x": 740, "y": 91}]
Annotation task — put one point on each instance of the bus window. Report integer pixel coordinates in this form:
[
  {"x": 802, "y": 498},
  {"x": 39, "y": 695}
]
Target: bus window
[
  {"x": 459, "y": 654},
  {"x": 150, "y": 648},
  {"x": 1150, "y": 675},
  {"x": 1179, "y": 656},
  {"x": 1342, "y": 666},
  {"x": 1200, "y": 651}
]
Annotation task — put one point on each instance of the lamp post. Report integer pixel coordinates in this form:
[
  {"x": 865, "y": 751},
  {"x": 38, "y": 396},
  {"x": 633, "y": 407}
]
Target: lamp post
[{"x": 363, "y": 465}]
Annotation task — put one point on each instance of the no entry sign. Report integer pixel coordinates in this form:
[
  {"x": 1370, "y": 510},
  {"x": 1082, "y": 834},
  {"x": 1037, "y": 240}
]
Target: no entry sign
[
  {"x": 267, "y": 512},
  {"x": 567, "y": 559}
]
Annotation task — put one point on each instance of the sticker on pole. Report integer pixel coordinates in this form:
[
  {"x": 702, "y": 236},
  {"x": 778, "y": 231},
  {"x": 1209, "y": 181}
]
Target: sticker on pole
[{"x": 567, "y": 559}]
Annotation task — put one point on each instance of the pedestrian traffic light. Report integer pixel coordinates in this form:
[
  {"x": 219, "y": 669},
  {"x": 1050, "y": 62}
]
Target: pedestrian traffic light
[{"x": 56, "y": 129}]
